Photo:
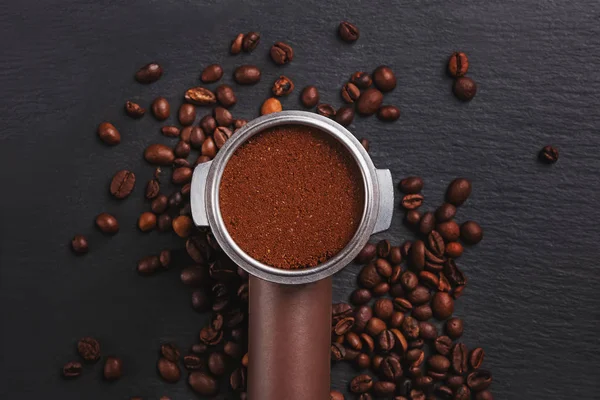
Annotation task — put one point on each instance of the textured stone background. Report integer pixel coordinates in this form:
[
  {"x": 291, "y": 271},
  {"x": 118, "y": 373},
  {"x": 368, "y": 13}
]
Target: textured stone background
[{"x": 532, "y": 301}]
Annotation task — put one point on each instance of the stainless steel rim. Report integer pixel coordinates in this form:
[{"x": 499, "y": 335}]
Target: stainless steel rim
[{"x": 297, "y": 276}]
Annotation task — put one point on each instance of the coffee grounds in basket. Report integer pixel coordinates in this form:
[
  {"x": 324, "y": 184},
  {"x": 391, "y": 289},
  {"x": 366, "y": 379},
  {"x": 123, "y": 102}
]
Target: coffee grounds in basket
[{"x": 291, "y": 197}]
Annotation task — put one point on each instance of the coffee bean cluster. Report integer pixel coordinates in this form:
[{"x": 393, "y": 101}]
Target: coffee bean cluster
[
  {"x": 399, "y": 330},
  {"x": 88, "y": 349},
  {"x": 464, "y": 88}
]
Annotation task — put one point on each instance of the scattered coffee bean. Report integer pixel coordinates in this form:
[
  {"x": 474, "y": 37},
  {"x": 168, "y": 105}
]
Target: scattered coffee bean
[
  {"x": 159, "y": 154},
  {"x": 148, "y": 265},
  {"x": 369, "y": 102},
  {"x": 72, "y": 369},
  {"x": 471, "y": 232},
  {"x": 412, "y": 217},
  {"x": 211, "y": 73},
  {"x": 360, "y": 297},
  {"x": 549, "y": 154},
  {"x": 361, "y": 384},
  {"x": 443, "y": 345},
  {"x": 326, "y": 110},
  {"x": 309, "y": 96},
  {"x": 464, "y": 88},
  {"x": 350, "y": 92},
  {"x": 203, "y": 384},
  {"x": 458, "y": 191},
  {"x": 335, "y": 395},
  {"x": 412, "y": 201},
  {"x": 147, "y": 221},
  {"x": 250, "y": 41},
  {"x": 384, "y": 388},
  {"x": 422, "y": 312},
  {"x": 427, "y": 330},
  {"x": 459, "y": 357},
  {"x": 445, "y": 212},
  {"x": 187, "y": 114},
  {"x": 168, "y": 370},
  {"x": 476, "y": 358},
  {"x": 454, "y": 328},
  {"x": 388, "y": 113},
  {"x": 348, "y": 32},
  {"x": 89, "y": 349},
  {"x": 247, "y": 75},
  {"x": 282, "y": 53},
  {"x": 107, "y": 223},
  {"x": 438, "y": 363},
  {"x": 462, "y": 393},
  {"x": 384, "y": 78},
  {"x": 442, "y": 305},
  {"x": 484, "y": 395},
  {"x": 134, "y": 110},
  {"x": 479, "y": 380},
  {"x": 200, "y": 96},
  {"x": 367, "y": 253},
  {"x": 113, "y": 368},
  {"x": 427, "y": 223},
  {"x": 383, "y": 308},
  {"x": 109, "y": 134},
  {"x": 216, "y": 363},
  {"x": 361, "y": 79},
  {"x": 450, "y": 231},
  {"x": 270, "y": 105},
  {"x": 161, "y": 108},
  {"x": 454, "y": 249},
  {"x": 282, "y": 86},
  {"x": 183, "y": 225},
  {"x": 416, "y": 255},
  {"x": 236, "y": 44},
  {"x": 192, "y": 362},
  {"x": 149, "y": 73},
  {"x": 458, "y": 64},
  {"x": 122, "y": 184}
]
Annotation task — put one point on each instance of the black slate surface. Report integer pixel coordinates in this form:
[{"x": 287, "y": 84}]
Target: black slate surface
[{"x": 532, "y": 301}]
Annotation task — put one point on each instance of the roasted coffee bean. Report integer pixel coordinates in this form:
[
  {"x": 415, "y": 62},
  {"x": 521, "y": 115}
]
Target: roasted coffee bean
[
  {"x": 390, "y": 368},
  {"x": 411, "y": 185},
  {"x": 416, "y": 255},
  {"x": 369, "y": 102},
  {"x": 250, "y": 41},
  {"x": 147, "y": 221},
  {"x": 471, "y": 232},
  {"x": 435, "y": 244},
  {"x": 383, "y": 308},
  {"x": 420, "y": 295},
  {"x": 309, "y": 96},
  {"x": 200, "y": 96},
  {"x": 405, "y": 248},
  {"x": 365, "y": 144},
  {"x": 216, "y": 363},
  {"x": 148, "y": 265},
  {"x": 383, "y": 248},
  {"x": 462, "y": 393},
  {"x": 442, "y": 305},
  {"x": 449, "y": 230},
  {"x": 211, "y": 336},
  {"x": 168, "y": 370},
  {"x": 89, "y": 349},
  {"x": 72, "y": 370},
  {"x": 247, "y": 75},
  {"x": 107, "y": 223},
  {"x": 410, "y": 327},
  {"x": 457, "y": 292},
  {"x": 388, "y": 113},
  {"x": 445, "y": 212},
  {"x": 203, "y": 384},
  {"x": 159, "y": 154},
  {"x": 170, "y": 131},
  {"x": 401, "y": 342},
  {"x": 384, "y": 78},
  {"x": 409, "y": 280},
  {"x": 193, "y": 276},
  {"x": 455, "y": 381},
  {"x": 444, "y": 392},
  {"x": 429, "y": 279},
  {"x": 422, "y": 312},
  {"x": 383, "y": 388},
  {"x": 438, "y": 363},
  {"x": 149, "y": 73},
  {"x": 226, "y": 97},
  {"x": 454, "y": 274},
  {"x": 396, "y": 319},
  {"x": 361, "y": 360},
  {"x": 415, "y": 357},
  {"x": 459, "y": 357},
  {"x": 340, "y": 311},
  {"x": 159, "y": 204},
  {"x": 344, "y": 115},
  {"x": 113, "y": 368},
  {"x": 464, "y": 88},
  {"x": 366, "y": 254},
  {"x": 368, "y": 344},
  {"x": 211, "y": 73},
  {"x": 476, "y": 358},
  {"x": 353, "y": 341},
  {"x": 350, "y": 92},
  {"x": 186, "y": 114},
  {"x": 223, "y": 117},
  {"x": 282, "y": 86},
  {"x": 326, "y": 110},
  {"x": 282, "y": 53},
  {"x": 361, "y": 384},
  {"x": 348, "y": 32},
  {"x": 427, "y": 223},
  {"x": 369, "y": 277},
  {"x": 454, "y": 249},
  {"x": 458, "y": 64},
  {"x": 484, "y": 395},
  {"x": 381, "y": 289},
  {"x": 443, "y": 345},
  {"x": 270, "y": 105},
  {"x": 192, "y": 362},
  {"x": 386, "y": 341},
  {"x": 454, "y": 327},
  {"x": 360, "y": 297},
  {"x": 401, "y": 304},
  {"x": 221, "y": 135},
  {"x": 375, "y": 326},
  {"x": 383, "y": 267},
  {"x": 335, "y": 395},
  {"x": 343, "y": 326},
  {"x": 413, "y": 217},
  {"x": 236, "y": 44},
  {"x": 122, "y": 184},
  {"x": 200, "y": 301},
  {"x": 209, "y": 148},
  {"x": 361, "y": 79},
  {"x": 412, "y": 201},
  {"x": 338, "y": 352},
  {"x": 428, "y": 331},
  {"x": 183, "y": 226},
  {"x": 161, "y": 108},
  {"x": 208, "y": 124},
  {"x": 199, "y": 348},
  {"x": 152, "y": 189},
  {"x": 165, "y": 258},
  {"x": 232, "y": 349},
  {"x": 548, "y": 154},
  {"x": 170, "y": 352},
  {"x": 109, "y": 134}
]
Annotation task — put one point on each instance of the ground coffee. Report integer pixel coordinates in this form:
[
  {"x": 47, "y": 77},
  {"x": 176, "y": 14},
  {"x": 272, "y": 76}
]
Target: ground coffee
[{"x": 291, "y": 197}]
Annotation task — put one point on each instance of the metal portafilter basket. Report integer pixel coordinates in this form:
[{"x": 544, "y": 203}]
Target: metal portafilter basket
[{"x": 290, "y": 310}]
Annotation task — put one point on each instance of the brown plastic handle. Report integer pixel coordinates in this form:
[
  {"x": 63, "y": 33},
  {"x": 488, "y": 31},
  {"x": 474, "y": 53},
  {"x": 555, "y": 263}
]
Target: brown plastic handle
[{"x": 289, "y": 340}]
